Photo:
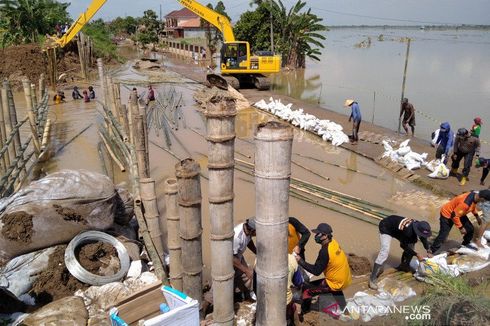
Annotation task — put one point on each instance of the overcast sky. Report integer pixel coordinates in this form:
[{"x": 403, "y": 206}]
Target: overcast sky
[{"x": 334, "y": 12}]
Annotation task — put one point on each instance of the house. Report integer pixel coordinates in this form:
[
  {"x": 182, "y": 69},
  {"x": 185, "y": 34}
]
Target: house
[{"x": 183, "y": 23}]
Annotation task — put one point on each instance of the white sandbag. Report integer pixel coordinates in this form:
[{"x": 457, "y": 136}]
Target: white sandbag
[
  {"x": 440, "y": 172},
  {"x": 402, "y": 151},
  {"x": 433, "y": 165},
  {"x": 388, "y": 147},
  {"x": 412, "y": 165},
  {"x": 404, "y": 143}
]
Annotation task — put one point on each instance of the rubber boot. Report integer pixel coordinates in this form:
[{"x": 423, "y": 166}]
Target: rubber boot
[
  {"x": 373, "y": 280},
  {"x": 463, "y": 181},
  {"x": 405, "y": 264}
]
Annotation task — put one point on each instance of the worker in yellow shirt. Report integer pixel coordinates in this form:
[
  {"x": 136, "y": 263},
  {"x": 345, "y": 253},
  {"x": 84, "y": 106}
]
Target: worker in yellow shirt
[
  {"x": 298, "y": 236},
  {"x": 332, "y": 261}
]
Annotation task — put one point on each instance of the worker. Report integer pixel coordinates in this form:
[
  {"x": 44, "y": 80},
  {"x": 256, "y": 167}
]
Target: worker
[
  {"x": 76, "y": 94},
  {"x": 484, "y": 163},
  {"x": 151, "y": 95},
  {"x": 444, "y": 141},
  {"x": 485, "y": 217},
  {"x": 291, "y": 306},
  {"x": 455, "y": 212},
  {"x": 59, "y": 97},
  {"x": 408, "y": 112},
  {"x": 298, "y": 236},
  {"x": 356, "y": 118},
  {"x": 476, "y": 128},
  {"x": 91, "y": 92},
  {"x": 405, "y": 230},
  {"x": 241, "y": 241},
  {"x": 86, "y": 97},
  {"x": 332, "y": 261},
  {"x": 465, "y": 146}
]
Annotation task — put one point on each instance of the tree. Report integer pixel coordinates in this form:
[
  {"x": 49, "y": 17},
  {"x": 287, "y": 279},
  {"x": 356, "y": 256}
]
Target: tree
[
  {"x": 149, "y": 28},
  {"x": 123, "y": 26},
  {"x": 22, "y": 21},
  {"x": 297, "y": 33}
]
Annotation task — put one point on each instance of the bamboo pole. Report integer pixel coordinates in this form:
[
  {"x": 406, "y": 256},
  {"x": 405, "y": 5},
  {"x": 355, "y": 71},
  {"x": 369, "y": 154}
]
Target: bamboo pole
[
  {"x": 111, "y": 153},
  {"x": 189, "y": 199},
  {"x": 3, "y": 137},
  {"x": 51, "y": 54},
  {"x": 143, "y": 229},
  {"x": 143, "y": 164},
  {"x": 42, "y": 85},
  {"x": 221, "y": 145},
  {"x": 111, "y": 97},
  {"x": 13, "y": 120},
  {"x": 173, "y": 229},
  {"x": 125, "y": 120},
  {"x": 100, "y": 68},
  {"x": 152, "y": 216},
  {"x": 132, "y": 112},
  {"x": 34, "y": 96},
  {"x": 273, "y": 147},
  {"x": 30, "y": 113}
]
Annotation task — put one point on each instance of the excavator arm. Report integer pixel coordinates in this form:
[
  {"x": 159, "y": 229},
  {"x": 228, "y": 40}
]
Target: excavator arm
[
  {"x": 219, "y": 21},
  {"x": 78, "y": 24}
]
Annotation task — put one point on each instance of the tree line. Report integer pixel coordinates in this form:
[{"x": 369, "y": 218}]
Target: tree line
[{"x": 297, "y": 32}]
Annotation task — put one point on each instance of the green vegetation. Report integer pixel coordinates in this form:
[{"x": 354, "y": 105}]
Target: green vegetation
[
  {"x": 24, "y": 21},
  {"x": 101, "y": 36},
  {"x": 213, "y": 36},
  {"x": 123, "y": 26},
  {"x": 297, "y": 32},
  {"x": 453, "y": 301}
]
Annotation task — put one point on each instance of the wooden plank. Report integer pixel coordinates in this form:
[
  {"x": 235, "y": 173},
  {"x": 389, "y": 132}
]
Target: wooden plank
[
  {"x": 141, "y": 305},
  {"x": 413, "y": 177}
]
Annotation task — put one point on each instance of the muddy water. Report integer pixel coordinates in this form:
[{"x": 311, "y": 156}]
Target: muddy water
[{"x": 372, "y": 183}]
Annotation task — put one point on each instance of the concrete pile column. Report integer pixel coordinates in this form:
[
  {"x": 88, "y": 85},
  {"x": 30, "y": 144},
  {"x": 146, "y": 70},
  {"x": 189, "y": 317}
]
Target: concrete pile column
[
  {"x": 221, "y": 146},
  {"x": 273, "y": 144},
  {"x": 189, "y": 199}
]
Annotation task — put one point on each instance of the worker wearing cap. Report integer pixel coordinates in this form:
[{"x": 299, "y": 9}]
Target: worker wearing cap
[
  {"x": 484, "y": 163},
  {"x": 356, "y": 118},
  {"x": 241, "y": 241},
  {"x": 476, "y": 128},
  {"x": 332, "y": 261},
  {"x": 298, "y": 236},
  {"x": 465, "y": 146},
  {"x": 405, "y": 230},
  {"x": 454, "y": 213}
]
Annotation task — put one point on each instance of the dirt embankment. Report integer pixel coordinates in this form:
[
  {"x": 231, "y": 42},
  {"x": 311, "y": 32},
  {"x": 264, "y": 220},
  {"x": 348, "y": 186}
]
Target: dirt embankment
[{"x": 22, "y": 60}]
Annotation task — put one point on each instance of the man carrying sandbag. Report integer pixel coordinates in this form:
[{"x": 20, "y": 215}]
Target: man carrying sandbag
[
  {"x": 405, "y": 230},
  {"x": 455, "y": 212}
]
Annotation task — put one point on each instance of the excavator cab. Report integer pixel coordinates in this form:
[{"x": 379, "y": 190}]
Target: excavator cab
[{"x": 235, "y": 55}]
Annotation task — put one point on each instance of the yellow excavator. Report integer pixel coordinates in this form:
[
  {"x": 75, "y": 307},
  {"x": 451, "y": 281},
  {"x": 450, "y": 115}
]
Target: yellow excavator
[{"x": 238, "y": 65}]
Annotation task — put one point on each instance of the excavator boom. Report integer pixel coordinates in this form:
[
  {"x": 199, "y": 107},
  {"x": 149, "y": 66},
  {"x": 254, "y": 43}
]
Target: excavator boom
[{"x": 219, "y": 21}]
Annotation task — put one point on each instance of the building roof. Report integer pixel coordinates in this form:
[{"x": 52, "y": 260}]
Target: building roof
[
  {"x": 182, "y": 13},
  {"x": 191, "y": 23}
]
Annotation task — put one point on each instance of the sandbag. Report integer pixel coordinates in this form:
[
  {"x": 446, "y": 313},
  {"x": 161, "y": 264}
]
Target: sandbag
[
  {"x": 66, "y": 311},
  {"x": 440, "y": 172},
  {"x": 53, "y": 210}
]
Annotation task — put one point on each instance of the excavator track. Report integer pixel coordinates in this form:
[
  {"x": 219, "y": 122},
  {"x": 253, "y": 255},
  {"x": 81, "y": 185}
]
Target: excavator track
[
  {"x": 262, "y": 83},
  {"x": 222, "y": 82}
]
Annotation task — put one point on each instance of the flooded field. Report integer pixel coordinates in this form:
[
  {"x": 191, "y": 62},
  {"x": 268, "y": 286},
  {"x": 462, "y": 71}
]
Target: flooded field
[
  {"x": 76, "y": 142},
  {"x": 447, "y": 76}
]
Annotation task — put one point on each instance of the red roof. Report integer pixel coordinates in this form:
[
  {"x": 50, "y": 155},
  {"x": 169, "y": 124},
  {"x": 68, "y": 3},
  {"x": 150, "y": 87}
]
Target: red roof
[{"x": 182, "y": 13}]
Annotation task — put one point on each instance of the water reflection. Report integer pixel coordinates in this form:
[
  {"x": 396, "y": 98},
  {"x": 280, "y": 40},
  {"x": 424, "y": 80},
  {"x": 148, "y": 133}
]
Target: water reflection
[{"x": 295, "y": 84}]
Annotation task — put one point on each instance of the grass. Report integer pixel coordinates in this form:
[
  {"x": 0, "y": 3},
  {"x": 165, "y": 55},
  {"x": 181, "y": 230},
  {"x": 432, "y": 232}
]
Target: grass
[
  {"x": 453, "y": 301},
  {"x": 102, "y": 41}
]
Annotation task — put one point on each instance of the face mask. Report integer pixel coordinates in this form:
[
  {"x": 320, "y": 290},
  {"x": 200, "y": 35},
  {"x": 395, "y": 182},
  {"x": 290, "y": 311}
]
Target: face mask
[{"x": 318, "y": 238}]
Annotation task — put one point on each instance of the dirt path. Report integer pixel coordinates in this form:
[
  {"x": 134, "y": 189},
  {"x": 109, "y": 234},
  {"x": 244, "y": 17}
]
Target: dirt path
[{"x": 369, "y": 150}]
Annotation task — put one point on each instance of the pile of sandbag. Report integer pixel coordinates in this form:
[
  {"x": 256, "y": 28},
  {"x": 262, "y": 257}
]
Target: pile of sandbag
[
  {"x": 405, "y": 156},
  {"x": 328, "y": 130}
]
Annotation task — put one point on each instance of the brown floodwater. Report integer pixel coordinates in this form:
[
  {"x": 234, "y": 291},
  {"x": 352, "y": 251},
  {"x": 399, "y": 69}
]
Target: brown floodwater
[{"x": 373, "y": 183}]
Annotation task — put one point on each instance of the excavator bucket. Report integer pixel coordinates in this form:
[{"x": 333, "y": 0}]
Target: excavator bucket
[{"x": 217, "y": 80}]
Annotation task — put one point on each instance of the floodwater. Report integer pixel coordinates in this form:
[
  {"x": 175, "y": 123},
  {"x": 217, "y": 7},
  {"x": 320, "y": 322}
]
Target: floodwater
[
  {"x": 447, "y": 76},
  {"x": 312, "y": 157}
]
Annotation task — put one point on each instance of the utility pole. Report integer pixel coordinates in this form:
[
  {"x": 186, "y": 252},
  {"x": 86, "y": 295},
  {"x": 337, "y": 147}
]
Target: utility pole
[
  {"x": 403, "y": 84},
  {"x": 160, "y": 12}
]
